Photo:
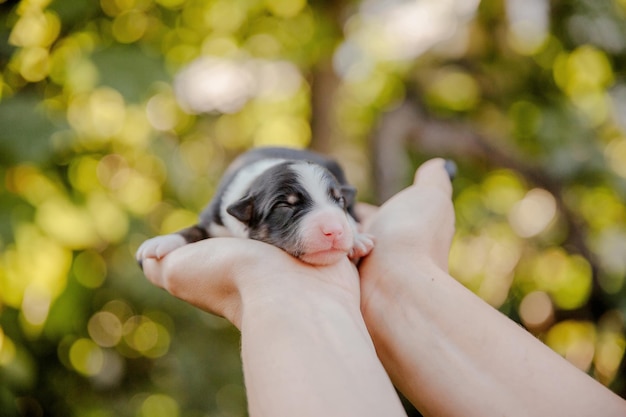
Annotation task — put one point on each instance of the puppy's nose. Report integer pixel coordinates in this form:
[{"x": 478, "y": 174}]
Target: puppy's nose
[{"x": 332, "y": 230}]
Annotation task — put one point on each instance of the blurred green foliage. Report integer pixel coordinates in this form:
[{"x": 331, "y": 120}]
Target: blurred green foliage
[{"x": 117, "y": 118}]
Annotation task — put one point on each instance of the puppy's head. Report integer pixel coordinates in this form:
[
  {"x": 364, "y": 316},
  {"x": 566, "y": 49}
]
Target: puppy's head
[{"x": 299, "y": 207}]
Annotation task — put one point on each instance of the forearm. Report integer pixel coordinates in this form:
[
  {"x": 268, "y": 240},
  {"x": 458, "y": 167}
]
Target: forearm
[
  {"x": 312, "y": 358},
  {"x": 452, "y": 354},
  {"x": 305, "y": 348}
]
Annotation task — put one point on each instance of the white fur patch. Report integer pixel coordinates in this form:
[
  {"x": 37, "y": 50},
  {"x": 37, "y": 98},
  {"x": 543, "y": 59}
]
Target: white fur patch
[
  {"x": 215, "y": 230},
  {"x": 315, "y": 181},
  {"x": 235, "y": 191},
  {"x": 327, "y": 233},
  {"x": 159, "y": 246}
]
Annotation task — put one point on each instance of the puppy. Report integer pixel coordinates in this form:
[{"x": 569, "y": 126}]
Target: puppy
[{"x": 296, "y": 200}]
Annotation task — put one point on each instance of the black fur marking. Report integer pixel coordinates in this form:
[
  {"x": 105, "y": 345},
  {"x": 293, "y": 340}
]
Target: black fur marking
[
  {"x": 212, "y": 215},
  {"x": 242, "y": 210},
  {"x": 194, "y": 234},
  {"x": 276, "y": 203}
]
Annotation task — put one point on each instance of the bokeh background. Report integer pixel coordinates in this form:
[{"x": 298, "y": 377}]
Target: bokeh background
[{"x": 117, "y": 118}]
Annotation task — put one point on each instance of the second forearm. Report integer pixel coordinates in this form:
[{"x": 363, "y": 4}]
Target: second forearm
[{"x": 444, "y": 339}]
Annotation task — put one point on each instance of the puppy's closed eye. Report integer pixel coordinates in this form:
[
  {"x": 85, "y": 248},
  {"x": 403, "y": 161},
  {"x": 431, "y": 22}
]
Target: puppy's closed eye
[{"x": 296, "y": 200}]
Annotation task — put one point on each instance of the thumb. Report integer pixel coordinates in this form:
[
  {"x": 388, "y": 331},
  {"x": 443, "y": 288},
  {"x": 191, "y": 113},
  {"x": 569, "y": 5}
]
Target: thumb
[{"x": 436, "y": 173}]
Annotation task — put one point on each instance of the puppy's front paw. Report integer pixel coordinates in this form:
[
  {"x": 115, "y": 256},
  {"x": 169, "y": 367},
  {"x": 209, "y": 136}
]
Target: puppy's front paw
[
  {"x": 158, "y": 247},
  {"x": 363, "y": 244}
]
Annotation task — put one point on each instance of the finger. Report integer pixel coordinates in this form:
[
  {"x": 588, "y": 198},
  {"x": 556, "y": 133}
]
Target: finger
[
  {"x": 433, "y": 173},
  {"x": 152, "y": 270},
  {"x": 183, "y": 271},
  {"x": 202, "y": 274}
]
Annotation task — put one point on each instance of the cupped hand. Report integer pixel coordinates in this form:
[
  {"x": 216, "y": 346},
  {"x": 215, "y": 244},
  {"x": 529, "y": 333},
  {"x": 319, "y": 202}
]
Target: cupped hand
[
  {"x": 418, "y": 221},
  {"x": 413, "y": 230},
  {"x": 226, "y": 275},
  {"x": 223, "y": 275}
]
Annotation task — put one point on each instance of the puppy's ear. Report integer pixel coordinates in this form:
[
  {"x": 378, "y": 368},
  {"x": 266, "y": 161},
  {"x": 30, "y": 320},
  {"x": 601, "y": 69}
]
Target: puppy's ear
[
  {"x": 349, "y": 194},
  {"x": 242, "y": 209}
]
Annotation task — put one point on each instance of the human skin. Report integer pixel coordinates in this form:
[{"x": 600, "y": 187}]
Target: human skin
[
  {"x": 448, "y": 351},
  {"x": 315, "y": 339},
  {"x": 305, "y": 348}
]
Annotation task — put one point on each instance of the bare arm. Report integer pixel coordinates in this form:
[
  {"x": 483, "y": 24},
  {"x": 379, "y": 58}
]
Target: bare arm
[
  {"x": 448, "y": 351},
  {"x": 305, "y": 347}
]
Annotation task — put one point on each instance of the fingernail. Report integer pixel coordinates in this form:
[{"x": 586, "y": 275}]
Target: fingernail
[{"x": 451, "y": 168}]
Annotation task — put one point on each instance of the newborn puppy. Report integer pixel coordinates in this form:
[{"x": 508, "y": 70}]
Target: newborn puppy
[{"x": 296, "y": 200}]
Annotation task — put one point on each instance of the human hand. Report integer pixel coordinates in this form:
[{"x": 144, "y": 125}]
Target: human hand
[
  {"x": 222, "y": 275},
  {"x": 418, "y": 222},
  {"x": 413, "y": 232},
  {"x": 430, "y": 332},
  {"x": 298, "y": 319},
  {"x": 302, "y": 334}
]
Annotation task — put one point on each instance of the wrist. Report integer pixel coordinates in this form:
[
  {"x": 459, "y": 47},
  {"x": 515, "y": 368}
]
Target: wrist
[
  {"x": 400, "y": 290},
  {"x": 388, "y": 277},
  {"x": 307, "y": 339},
  {"x": 302, "y": 292},
  {"x": 294, "y": 303}
]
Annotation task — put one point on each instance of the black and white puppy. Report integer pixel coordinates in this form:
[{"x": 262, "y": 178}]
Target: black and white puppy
[{"x": 296, "y": 200}]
